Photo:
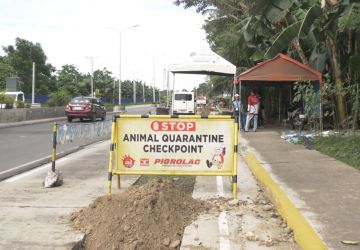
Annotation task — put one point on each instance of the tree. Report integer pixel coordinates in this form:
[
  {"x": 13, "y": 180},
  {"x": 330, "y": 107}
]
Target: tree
[
  {"x": 6, "y": 70},
  {"x": 324, "y": 37},
  {"x": 21, "y": 56},
  {"x": 104, "y": 82},
  {"x": 70, "y": 80}
]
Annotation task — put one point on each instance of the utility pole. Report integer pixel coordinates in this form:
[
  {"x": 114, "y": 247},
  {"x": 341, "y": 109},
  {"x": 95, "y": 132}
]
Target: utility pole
[
  {"x": 143, "y": 91},
  {"x": 134, "y": 88},
  {"x": 91, "y": 58},
  {"x": 113, "y": 101},
  {"x": 33, "y": 84}
]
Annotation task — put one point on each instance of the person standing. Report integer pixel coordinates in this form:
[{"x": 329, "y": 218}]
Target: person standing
[
  {"x": 237, "y": 111},
  {"x": 253, "y": 110}
]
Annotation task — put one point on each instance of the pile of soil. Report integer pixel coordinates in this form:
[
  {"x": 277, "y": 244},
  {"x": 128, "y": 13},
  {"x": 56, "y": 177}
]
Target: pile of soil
[{"x": 149, "y": 216}]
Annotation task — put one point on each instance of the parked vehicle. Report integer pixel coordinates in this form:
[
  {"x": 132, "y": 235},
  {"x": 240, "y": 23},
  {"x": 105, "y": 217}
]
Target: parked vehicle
[
  {"x": 296, "y": 117},
  {"x": 201, "y": 100},
  {"x": 183, "y": 103},
  {"x": 85, "y": 108},
  {"x": 16, "y": 97}
]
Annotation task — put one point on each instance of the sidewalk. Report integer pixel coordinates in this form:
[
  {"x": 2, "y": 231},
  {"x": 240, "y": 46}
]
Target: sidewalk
[
  {"x": 32, "y": 217},
  {"x": 325, "y": 190}
]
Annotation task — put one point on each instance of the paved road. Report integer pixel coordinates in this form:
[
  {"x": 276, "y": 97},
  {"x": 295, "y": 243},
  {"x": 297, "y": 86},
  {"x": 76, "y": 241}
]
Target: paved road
[{"x": 28, "y": 143}]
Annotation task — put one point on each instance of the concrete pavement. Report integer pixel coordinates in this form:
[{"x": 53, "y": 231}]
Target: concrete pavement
[
  {"x": 323, "y": 189},
  {"x": 32, "y": 217}
]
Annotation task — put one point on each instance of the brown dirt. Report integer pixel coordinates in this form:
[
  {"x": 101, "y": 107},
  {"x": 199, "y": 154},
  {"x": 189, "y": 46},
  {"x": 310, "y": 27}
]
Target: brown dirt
[{"x": 149, "y": 216}]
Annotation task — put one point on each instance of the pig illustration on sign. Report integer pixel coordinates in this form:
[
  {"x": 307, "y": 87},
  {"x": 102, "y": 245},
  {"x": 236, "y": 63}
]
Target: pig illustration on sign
[{"x": 217, "y": 159}]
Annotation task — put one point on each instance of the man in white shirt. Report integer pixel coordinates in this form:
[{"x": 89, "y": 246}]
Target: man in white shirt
[{"x": 253, "y": 110}]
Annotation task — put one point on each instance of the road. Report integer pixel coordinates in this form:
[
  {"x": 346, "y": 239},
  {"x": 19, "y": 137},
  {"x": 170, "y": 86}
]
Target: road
[{"x": 24, "y": 144}]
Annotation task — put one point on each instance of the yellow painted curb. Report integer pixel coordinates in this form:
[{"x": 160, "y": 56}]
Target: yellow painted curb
[{"x": 305, "y": 235}]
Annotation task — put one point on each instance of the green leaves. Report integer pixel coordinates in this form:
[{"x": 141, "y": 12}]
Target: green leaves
[
  {"x": 311, "y": 15},
  {"x": 283, "y": 40},
  {"x": 350, "y": 17}
]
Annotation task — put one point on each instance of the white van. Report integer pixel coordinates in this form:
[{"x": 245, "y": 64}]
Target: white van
[
  {"x": 16, "y": 95},
  {"x": 183, "y": 103}
]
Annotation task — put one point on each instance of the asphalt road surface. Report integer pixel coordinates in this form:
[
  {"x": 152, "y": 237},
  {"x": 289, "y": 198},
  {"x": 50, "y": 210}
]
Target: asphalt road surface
[{"x": 24, "y": 144}]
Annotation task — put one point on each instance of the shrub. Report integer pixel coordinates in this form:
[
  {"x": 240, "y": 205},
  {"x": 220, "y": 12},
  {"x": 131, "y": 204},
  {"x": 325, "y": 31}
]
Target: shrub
[{"x": 59, "y": 98}]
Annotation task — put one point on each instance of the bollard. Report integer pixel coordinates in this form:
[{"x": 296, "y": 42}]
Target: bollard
[{"x": 53, "y": 155}]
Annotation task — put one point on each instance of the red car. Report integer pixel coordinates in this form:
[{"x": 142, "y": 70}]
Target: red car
[{"x": 85, "y": 107}]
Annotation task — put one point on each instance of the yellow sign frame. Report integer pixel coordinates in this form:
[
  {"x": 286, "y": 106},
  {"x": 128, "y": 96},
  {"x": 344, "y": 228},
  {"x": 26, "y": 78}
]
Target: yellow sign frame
[{"x": 114, "y": 143}]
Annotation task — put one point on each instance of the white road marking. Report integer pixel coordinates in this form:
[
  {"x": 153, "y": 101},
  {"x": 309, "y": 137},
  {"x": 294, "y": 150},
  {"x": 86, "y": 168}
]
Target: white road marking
[
  {"x": 220, "y": 185},
  {"x": 33, "y": 171},
  {"x": 224, "y": 243}
]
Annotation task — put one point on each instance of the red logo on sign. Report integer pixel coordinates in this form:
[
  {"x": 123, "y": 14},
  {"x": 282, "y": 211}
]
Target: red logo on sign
[
  {"x": 173, "y": 126},
  {"x": 128, "y": 161},
  {"x": 144, "y": 162}
]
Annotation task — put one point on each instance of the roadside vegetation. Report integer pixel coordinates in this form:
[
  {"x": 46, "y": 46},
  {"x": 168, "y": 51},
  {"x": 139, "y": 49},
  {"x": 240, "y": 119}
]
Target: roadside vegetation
[
  {"x": 345, "y": 149},
  {"x": 64, "y": 83},
  {"x": 324, "y": 35}
]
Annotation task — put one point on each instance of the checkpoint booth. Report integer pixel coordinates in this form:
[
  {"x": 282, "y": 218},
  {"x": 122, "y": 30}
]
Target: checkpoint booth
[
  {"x": 280, "y": 71},
  {"x": 177, "y": 145}
]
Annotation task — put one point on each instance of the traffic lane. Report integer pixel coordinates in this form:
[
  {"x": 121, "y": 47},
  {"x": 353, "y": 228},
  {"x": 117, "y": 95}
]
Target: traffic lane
[
  {"x": 140, "y": 109},
  {"x": 24, "y": 144}
]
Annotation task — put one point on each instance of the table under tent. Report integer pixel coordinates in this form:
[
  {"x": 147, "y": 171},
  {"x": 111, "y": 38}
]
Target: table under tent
[{"x": 273, "y": 79}]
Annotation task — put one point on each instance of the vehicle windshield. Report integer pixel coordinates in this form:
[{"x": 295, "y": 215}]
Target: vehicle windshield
[
  {"x": 183, "y": 97},
  {"x": 81, "y": 100}
]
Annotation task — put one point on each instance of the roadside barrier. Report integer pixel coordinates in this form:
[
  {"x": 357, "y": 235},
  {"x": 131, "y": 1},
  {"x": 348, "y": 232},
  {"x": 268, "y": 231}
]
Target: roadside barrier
[
  {"x": 190, "y": 145},
  {"x": 70, "y": 132},
  {"x": 75, "y": 131}
]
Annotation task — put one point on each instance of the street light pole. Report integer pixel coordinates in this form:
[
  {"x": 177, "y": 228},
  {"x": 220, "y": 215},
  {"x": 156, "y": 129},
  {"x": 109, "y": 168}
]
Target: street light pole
[
  {"x": 120, "y": 41},
  {"x": 120, "y": 68},
  {"x": 154, "y": 69}
]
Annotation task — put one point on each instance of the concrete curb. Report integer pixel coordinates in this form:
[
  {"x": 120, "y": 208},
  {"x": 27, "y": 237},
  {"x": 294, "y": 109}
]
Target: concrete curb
[
  {"x": 305, "y": 235},
  {"x": 30, "y": 122}
]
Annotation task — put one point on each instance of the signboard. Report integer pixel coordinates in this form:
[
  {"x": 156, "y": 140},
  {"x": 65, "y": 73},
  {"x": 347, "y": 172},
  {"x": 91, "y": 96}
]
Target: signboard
[
  {"x": 164, "y": 145},
  {"x": 192, "y": 145}
]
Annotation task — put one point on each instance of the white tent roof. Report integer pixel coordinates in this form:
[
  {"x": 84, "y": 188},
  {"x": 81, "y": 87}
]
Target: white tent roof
[{"x": 204, "y": 64}]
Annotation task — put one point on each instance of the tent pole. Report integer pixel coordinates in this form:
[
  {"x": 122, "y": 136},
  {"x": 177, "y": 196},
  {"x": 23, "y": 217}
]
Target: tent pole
[
  {"x": 173, "y": 93},
  {"x": 167, "y": 87},
  {"x": 279, "y": 105},
  {"x": 321, "y": 106},
  {"x": 240, "y": 88}
]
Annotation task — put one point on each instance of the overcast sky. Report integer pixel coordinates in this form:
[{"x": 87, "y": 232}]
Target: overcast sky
[{"x": 69, "y": 31}]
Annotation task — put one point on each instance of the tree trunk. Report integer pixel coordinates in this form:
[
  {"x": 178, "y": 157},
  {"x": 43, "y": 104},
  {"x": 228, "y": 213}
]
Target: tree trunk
[
  {"x": 356, "y": 109},
  {"x": 340, "y": 100},
  {"x": 350, "y": 51},
  {"x": 299, "y": 50}
]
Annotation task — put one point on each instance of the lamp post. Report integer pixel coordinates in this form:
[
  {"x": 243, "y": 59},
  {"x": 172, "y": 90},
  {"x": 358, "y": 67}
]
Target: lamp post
[
  {"x": 120, "y": 40},
  {"x": 154, "y": 70}
]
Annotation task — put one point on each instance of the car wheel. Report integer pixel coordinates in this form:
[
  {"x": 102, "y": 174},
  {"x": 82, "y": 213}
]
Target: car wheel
[
  {"x": 103, "y": 118},
  {"x": 69, "y": 119},
  {"x": 81, "y": 119}
]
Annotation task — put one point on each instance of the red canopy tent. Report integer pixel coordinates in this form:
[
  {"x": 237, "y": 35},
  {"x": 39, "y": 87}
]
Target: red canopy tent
[{"x": 280, "y": 69}]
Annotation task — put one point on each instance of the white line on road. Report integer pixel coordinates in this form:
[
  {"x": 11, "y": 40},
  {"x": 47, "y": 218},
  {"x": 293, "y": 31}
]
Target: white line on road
[
  {"x": 222, "y": 220},
  {"x": 220, "y": 185}
]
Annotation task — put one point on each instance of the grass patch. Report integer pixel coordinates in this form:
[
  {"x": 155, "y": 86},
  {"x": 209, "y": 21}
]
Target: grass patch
[{"x": 345, "y": 149}]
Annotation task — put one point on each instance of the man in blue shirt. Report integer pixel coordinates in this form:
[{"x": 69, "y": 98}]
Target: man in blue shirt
[{"x": 238, "y": 111}]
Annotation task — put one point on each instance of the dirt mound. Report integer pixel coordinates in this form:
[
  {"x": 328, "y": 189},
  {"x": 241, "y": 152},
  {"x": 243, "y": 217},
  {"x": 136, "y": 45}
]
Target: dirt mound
[{"x": 150, "y": 216}]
